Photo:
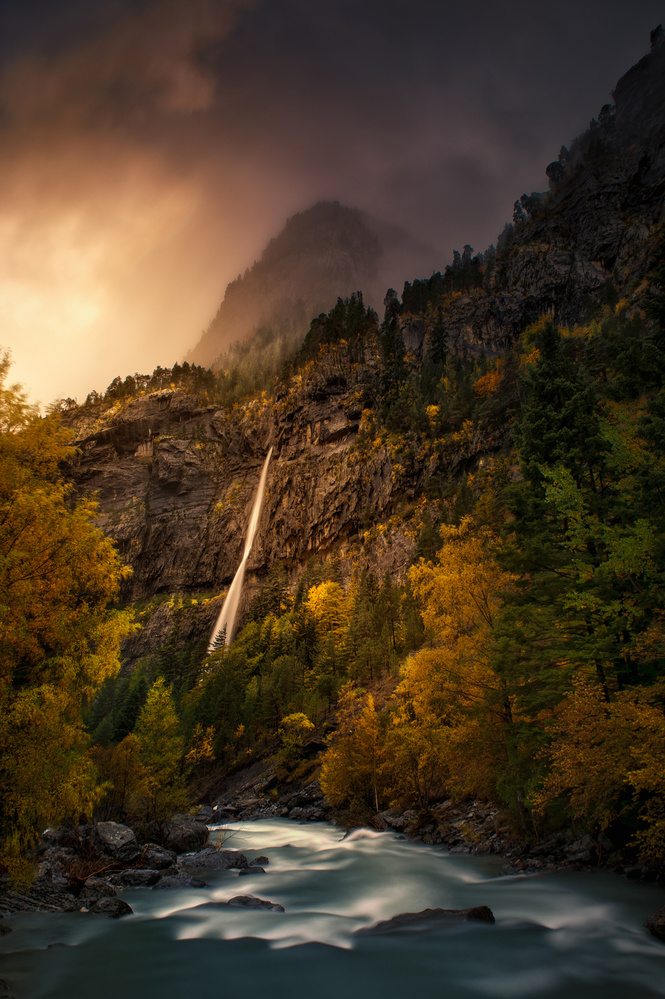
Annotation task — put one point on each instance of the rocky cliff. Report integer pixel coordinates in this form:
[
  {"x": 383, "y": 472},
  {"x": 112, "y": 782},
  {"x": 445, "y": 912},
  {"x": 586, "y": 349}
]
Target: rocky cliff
[
  {"x": 175, "y": 481},
  {"x": 601, "y": 222}
]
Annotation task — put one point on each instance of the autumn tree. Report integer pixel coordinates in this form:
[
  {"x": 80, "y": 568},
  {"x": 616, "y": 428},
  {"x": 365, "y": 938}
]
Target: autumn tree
[
  {"x": 58, "y": 577},
  {"x": 160, "y": 749},
  {"x": 354, "y": 768}
]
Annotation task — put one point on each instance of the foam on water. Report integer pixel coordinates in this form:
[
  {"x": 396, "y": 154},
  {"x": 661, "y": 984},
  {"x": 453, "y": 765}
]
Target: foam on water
[{"x": 559, "y": 936}]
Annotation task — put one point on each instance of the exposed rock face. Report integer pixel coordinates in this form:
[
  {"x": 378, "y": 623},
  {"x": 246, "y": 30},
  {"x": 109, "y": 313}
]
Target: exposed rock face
[
  {"x": 175, "y": 483},
  {"x": 598, "y": 223},
  {"x": 176, "y": 479}
]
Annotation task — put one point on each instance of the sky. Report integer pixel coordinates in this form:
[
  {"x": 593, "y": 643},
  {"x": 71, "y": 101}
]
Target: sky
[{"x": 149, "y": 149}]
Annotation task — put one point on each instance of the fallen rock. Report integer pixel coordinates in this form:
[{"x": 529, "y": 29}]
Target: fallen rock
[
  {"x": 407, "y": 920},
  {"x": 114, "y": 908},
  {"x": 656, "y": 924},
  {"x": 183, "y": 836},
  {"x": 137, "y": 878},
  {"x": 216, "y": 860},
  {"x": 102, "y": 887}
]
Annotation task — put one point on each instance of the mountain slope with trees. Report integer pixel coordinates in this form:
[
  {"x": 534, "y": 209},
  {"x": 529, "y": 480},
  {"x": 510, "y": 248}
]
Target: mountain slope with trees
[{"x": 459, "y": 559}]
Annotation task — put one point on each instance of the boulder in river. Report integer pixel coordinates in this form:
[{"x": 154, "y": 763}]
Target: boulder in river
[
  {"x": 656, "y": 924},
  {"x": 410, "y": 920},
  {"x": 177, "y": 882},
  {"x": 217, "y": 860},
  {"x": 114, "y": 908},
  {"x": 182, "y": 835},
  {"x": 252, "y": 902},
  {"x": 137, "y": 878},
  {"x": 254, "y": 869},
  {"x": 158, "y": 858}
]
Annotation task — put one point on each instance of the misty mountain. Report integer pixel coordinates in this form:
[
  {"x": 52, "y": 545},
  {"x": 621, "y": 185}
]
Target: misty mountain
[{"x": 330, "y": 250}]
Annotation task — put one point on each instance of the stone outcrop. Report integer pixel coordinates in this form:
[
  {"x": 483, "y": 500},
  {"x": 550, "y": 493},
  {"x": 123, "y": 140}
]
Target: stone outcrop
[{"x": 602, "y": 220}]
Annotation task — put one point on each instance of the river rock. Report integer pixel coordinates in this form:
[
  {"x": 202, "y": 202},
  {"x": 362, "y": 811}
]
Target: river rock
[
  {"x": 158, "y": 858},
  {"x": 411, "y": 920},
  {"x": 253, "y": 869},
  {"x": 252, "y": 902},
  {"x": 138, "y": 878},
  {"x": 261, "y": 861},
  {"x": 170, "y": 881},
  {"x": 99, "y": 887},
  {"x": 656, "y": 924},
  {"x": 115, "y": 835},
  {"x": 204, "y": 814},
  {"x": 217, "y": 860},
  {"x": 114, "y": 908},
  {"x": 182, "y": 835}
]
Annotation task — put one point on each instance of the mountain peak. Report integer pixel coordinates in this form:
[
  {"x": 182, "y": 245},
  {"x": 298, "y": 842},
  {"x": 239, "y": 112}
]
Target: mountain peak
[{"x": 325, "y": 251}]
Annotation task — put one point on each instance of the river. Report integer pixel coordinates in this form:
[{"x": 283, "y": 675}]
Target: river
[{"x": 556, "y": 936}]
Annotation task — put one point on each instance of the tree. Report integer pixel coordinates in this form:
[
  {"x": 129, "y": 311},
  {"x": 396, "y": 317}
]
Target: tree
[
  {"x": 160, "y": 748},
  {"x": 354, "y": 766},
  {"x": 58, "y": 577}
]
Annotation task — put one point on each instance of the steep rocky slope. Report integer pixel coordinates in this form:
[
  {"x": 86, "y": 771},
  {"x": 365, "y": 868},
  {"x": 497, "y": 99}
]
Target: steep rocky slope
[{"x": 600, "y": 222}]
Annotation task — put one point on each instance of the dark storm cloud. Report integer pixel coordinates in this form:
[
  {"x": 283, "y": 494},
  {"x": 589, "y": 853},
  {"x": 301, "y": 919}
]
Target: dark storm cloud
[{"x": 149, "y": 149}]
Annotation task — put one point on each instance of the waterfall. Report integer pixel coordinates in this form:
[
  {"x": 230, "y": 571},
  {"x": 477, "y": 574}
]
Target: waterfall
[{"x": 227, "y": 615}]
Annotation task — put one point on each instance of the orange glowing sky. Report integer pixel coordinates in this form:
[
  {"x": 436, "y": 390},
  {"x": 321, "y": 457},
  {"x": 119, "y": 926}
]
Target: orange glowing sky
[{"x": 150, "y": 149}]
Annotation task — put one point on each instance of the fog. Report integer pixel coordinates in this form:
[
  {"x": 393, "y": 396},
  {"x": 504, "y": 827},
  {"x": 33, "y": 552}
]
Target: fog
[{"x": 150, "y": 149}]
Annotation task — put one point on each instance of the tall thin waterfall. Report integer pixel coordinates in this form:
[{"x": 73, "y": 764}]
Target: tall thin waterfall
[{"x": 227, "y": 615}]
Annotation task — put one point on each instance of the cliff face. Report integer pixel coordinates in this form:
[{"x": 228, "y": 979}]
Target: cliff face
[
  {"x": 175, "y": 483},
  {"x": 601, "y": 220}
]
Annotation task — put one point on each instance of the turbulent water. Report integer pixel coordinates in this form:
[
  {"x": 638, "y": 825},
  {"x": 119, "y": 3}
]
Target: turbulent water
[
  {"x": 227, "y": 615},
  {"x": 561, "y": 935}
]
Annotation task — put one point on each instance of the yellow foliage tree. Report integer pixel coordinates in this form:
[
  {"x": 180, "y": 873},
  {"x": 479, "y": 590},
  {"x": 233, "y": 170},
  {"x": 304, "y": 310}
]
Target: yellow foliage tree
[
  {"x": 449, "y": 692},
  {"x": 609, "y": 758},
  {"x": 329, "y": 606},
  {"x": 58, "y": 575},
  {"x": 354, "y": 767}
]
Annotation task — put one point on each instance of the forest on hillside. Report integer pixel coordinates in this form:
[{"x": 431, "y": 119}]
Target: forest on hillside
[{"x": 519, "y": 660}]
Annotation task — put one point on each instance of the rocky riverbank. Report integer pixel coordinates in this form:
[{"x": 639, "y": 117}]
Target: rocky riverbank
[
  {"x": 465, "y": 827},
  {"x": 83, "y": 868}
]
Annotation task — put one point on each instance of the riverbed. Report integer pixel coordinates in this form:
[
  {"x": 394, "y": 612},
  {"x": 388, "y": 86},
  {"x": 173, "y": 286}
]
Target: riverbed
[{"x": 556, "y": 936}]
